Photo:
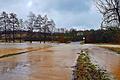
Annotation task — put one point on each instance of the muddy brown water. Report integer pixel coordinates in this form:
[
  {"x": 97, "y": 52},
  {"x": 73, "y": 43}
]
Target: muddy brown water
[
  {"x": 105, "y": 58},
  {"x": 53, "y": 63},
  {"x": 45, "y": 64}
]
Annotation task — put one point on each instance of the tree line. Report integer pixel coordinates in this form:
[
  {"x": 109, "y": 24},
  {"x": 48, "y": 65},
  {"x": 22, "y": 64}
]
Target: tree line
[
  {"x": 12, "y": 27},
  {"x": 110, "y": 35},
  {"x": 41, "y": 28},
  {"x": 35, "y": 28}
]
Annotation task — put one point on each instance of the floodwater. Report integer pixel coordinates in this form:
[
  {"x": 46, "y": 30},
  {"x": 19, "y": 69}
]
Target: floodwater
[
  {"x": 105, "y": 58},
  {"x": 51, "y": 63}
]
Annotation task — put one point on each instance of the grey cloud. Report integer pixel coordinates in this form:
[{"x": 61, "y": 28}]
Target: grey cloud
[{"x": 64, "y": 12}]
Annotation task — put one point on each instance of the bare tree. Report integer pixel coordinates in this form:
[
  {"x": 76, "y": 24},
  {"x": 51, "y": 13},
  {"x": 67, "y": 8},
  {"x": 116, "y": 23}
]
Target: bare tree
[
  {"x": 20, "y": 28},
  {"x": 110, "y": 9},
  {"x": 11, "y": 26},
  {"x": 51, "y": 25},
  {"x": 62, "y": 30},
  {"x": 4, "y": 23},
  {"x": 38, "y": 26},
  {"x": 31, "y": 24},
  {"x": 45, "y": 27},
  {"x": 14, "y": 22}
]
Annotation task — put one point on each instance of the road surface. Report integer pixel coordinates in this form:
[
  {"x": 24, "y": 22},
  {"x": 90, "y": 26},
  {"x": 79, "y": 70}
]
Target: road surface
[
  {"x": 106, "y": 59},
  {"x": 52, "y": 63}
]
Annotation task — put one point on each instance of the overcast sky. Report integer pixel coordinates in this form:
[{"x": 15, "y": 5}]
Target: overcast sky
[{"x": 80, "y": 14}]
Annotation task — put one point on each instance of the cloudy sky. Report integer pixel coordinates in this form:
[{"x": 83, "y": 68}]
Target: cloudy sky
[{"x": 80, "y": 14}]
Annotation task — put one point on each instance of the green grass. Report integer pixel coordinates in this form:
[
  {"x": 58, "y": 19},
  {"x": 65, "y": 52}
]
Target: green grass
[{"x": 85, "y": 70}]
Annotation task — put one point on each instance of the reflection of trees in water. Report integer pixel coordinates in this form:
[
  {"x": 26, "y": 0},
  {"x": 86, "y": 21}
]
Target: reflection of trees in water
[{"x": 14, "y": 67}]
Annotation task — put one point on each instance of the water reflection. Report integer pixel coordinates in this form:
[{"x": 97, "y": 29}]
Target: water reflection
[
  {"x": 45, "y": 64},
  {"x": 15, "y": 67},
  {"x": 106, "y": 59},
  {"x": 54, "y": 63}
]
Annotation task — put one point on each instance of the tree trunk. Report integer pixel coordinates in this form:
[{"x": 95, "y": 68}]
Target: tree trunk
[
  {"x": 39, "y": 36},
  {"x": 13, "y": 34},
  {"x": 44, "y": 35},
  {"x": 5, "y": 35},
  {"x": 31, "y": 34},
  {"x": 5, "y": 32},
  {"x": 52, "y": 37},
  {"x": 20, "y": 37}
]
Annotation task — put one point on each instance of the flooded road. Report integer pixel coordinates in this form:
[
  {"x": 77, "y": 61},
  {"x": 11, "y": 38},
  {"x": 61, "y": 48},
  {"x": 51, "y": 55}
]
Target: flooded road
[
  {"x": 105, "y": 58},
  {"x": 53, "y": 63}
]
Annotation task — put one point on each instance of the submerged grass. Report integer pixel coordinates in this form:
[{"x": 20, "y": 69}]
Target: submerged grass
[
  {"x": 116, "y": 49},
  {"x": 23, "y": 52},
  {"x": 85, "y": 70},
  {"x": 8, "y": 55}
]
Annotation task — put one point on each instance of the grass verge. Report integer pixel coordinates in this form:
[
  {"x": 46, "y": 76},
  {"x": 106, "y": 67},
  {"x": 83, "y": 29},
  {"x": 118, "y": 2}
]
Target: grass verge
[
  {"x": 85, "y": 70},
  {"x": 116, "y": 49},
  {"x": 23, "y": 52},
  {"x": 8, "y": 55}
]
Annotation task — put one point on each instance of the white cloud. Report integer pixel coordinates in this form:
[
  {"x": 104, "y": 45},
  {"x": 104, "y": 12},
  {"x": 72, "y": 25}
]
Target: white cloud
[{"x": 29, "y": 4}]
